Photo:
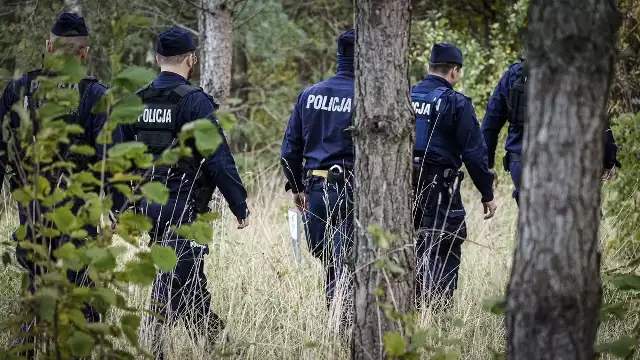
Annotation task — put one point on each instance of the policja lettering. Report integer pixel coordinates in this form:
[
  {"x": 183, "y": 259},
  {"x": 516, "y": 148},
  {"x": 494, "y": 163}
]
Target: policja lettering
[
  {"x": 156, "y": 115},
  {"x": 329, "y": 103},
  {"x": 424, "y": 108}
]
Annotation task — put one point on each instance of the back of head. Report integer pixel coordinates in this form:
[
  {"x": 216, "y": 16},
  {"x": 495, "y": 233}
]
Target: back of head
[
  {"x": 70, "y": 35},
  {"x": 346, "y": 51},
  {"x": 173, "y": 47},
  {"x": 445, "y": 61},
  {"x": 346, "y": 42}
]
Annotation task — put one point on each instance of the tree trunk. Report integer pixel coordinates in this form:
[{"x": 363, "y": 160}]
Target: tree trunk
[
  {"x": 554, "y": 294},
  {"x": 384, "y": 143},
  {"x": 73, "y": 6},
  {"x": 216, "y": 41}
]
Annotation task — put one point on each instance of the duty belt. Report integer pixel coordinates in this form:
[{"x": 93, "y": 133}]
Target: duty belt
[{"x": 336, "y": 174}]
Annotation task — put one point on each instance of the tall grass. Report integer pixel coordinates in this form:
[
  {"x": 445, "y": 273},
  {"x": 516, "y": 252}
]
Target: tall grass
[{"x": 274, "y": 308}]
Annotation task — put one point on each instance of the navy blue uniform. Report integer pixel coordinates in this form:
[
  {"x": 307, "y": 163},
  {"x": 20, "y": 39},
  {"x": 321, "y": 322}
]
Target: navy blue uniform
[
  {"x": 184, "y": 291},
  {"x": 447, "y": 135},
  {"x": 92, "y": 124},
  {"x": 316, "y": 138},
  {"x": 497, "y": 115}
]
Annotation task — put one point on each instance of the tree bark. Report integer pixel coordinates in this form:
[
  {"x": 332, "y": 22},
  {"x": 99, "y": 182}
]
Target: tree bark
[
  {"x": 384, "y": 143},
  {"x": 216, "y": 41},
  {"x": 554, "y": 294}
]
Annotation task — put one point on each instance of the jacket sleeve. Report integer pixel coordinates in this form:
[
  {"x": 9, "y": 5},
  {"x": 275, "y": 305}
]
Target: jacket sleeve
[
  {"x": 220, "y": 167},
  {"x": 496, "y": 116},
  {"x": 291, "y": 152},
  {"x": 610, "y": 150},
  {"x": 474, "y": 154}
]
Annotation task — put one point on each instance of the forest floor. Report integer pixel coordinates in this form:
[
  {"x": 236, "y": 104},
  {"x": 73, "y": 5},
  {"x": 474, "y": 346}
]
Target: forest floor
[{"x": 274, "y": 307}]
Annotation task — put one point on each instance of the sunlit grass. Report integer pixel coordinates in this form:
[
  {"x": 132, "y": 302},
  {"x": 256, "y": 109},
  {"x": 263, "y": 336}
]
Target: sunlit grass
[{"x": 274, "y": 308}]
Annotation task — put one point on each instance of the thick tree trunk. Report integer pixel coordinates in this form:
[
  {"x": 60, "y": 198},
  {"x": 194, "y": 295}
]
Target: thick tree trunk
[
  {"x": 384, "y": 143},
  {"x": 216, "y": 41},
  {"x": 554, "y": 294}
]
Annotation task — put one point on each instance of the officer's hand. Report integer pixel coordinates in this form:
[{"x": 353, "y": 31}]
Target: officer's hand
[
  {"x": 301, "y": 201},
  {"x": 495, "y": 177},
  {"x": 489, "y": 209},
  {"x": 243, "y": 223},
  {"x": 608, "y": 174}
]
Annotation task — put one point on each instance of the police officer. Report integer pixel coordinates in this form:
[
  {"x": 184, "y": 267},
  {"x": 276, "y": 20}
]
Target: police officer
[
  {"x": 70, "y": 35},
  {"x": 171, "y": 102},
  {"x": 509, "y": 103},
  {"x": 317, "y": 146},
  {"x": 447, "y": 134}
]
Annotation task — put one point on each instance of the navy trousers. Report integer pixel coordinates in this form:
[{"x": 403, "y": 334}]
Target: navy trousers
[
  {"x": 329, "y": 228},
  {"x": 181, "y": 294},
  {"x": 439, "y": 220}
]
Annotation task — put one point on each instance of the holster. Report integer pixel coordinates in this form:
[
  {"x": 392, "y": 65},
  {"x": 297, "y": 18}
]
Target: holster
[{"x": 202, "y": 197}]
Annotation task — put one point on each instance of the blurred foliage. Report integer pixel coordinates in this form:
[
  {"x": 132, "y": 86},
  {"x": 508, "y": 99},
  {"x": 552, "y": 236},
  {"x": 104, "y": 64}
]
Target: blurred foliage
[{"x": 77, "y": 206}]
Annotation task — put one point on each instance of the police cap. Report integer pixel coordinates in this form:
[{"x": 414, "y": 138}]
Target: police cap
[
  {"x": 175, "y": 41},
  {"x": 345, "y": 42},
  {"x": 69, "y": 25},
  {"x": 445, "y": 53}
]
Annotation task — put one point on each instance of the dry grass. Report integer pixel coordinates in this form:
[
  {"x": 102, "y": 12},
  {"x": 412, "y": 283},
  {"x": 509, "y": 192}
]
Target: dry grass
[{"x": 274, "y": 307}]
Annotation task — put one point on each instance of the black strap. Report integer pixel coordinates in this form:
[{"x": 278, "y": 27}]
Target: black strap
[{"x": 184, "y": 90}]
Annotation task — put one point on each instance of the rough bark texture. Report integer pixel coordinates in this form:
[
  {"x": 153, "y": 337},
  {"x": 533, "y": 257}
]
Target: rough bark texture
[
  {"x": 216, "y": 42},
  {"x": 554, "y": 294},
  {"x": 384, "y": 142}
]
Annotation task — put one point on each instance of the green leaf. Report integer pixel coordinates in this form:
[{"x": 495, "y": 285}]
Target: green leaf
[
  {"x": 126, "y": 149},
  {"x": 22, "y": 196},
  {"x": 64, "y": 219},
  {"x": 612, "y": 311},
  {"x": 81, "y": 343},
  {"x": 47, "y": 299},
  {"x": 77, "y": 318},
  {"x": 206, "y": 135},
  {"x": 419, "y": 339},
  {"x": 226, "y": 119},
  {"x": 495, "y": 304},
  {"x": 140, "y": 273},
  {"x": 65, "y": 65},
  {"x": 134, "y": 77},
  {"x": 106, "y": 295},
  {"x": 100, "y": 328},
  {"x": 394, "y": 344},
  {"x": 626, "y": 282},
  {"x": 164, "y": 257},
  {"x": 127, "y": 110},
  {"x": 201, "y": 232},
  {"x": 169, "y": 157},
  {"x": 83, "y": 150},
  {"x": 155, "y": 192},
  {"x": 620, "y": 348},
  {"x": 101, "y": 258},
  {"x": 130, "y": 325}
]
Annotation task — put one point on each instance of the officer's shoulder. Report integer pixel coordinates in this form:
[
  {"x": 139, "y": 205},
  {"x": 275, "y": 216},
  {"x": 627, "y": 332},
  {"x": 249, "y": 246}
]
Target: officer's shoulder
[
  {"x": 515, "y": 67},
  {"x": 460, "y": 97}
]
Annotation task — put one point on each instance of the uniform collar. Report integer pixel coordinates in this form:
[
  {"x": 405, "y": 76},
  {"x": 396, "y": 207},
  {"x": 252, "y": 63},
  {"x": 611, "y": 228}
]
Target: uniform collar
[
  {"x": 170, "y": 78},
  {"x": 346, "y": 73},
  {"x": 438, "y": 79}
]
